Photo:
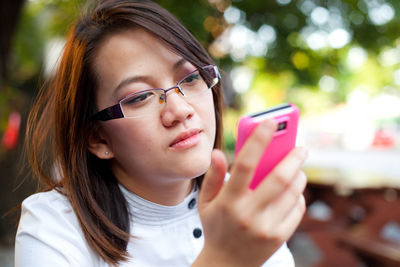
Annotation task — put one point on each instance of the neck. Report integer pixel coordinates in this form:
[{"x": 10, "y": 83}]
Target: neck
[{"x": 168, "y": 194}]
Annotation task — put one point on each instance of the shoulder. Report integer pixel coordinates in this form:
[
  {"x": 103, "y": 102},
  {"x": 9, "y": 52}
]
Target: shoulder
[
  {"x": 46, "y": 201},
  {"x": 48, "y": 225},
  {"x": 47, "y": 208}
]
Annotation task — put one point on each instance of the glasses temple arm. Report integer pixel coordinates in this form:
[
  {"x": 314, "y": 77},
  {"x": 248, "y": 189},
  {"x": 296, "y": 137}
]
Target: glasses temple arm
[{"x": 113, "y": 112}]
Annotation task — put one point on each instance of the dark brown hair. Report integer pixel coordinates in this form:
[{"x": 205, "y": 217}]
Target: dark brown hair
[{"x": 60, "y": 121}]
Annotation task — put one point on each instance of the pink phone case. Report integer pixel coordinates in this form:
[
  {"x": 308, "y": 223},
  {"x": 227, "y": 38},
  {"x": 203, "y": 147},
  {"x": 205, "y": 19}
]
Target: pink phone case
[{"x": 284, "y": 140}]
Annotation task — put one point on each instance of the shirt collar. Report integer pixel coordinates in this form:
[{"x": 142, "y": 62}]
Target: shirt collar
[{"x": 146, "y": 212}]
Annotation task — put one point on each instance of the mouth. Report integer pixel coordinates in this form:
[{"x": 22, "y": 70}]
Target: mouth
[{"x": 186, "y": 139}]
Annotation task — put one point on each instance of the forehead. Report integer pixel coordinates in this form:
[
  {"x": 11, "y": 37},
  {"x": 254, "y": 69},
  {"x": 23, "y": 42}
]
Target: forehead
[
  {"x": 131, "y": 52},
  {"x": 132, "y": 48}
]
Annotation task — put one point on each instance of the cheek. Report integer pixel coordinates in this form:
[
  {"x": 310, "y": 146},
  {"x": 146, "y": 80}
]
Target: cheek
[
  {"x": 130, "y": 138},
  {"x": 207, "y": 114}
]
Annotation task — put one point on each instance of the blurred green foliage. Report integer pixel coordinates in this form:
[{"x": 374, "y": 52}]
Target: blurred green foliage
[{"x": 291, "y": 19}]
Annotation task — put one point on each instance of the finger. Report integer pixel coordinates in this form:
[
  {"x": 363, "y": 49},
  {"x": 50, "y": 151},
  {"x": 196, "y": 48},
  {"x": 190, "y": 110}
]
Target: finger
[
  {"x": 280, "y": 177},
  {"x": 289, "y": 225},
  {"x": 249, "y": 156},
  {"x": 286, "y": 202},
  {"x": 214, "y": 178}
]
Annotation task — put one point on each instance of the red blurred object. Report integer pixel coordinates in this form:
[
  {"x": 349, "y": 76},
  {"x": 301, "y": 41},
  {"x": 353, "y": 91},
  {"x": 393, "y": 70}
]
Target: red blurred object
[
  {"x": 383, "y": 139},
  {"x": 10, "y": 137}
]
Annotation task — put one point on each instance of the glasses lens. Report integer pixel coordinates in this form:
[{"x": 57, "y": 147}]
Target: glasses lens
[
  {"x": 210, "y": 75},
  {"x": 198, "y": 82},
  {"x": 142, "y": 103}
]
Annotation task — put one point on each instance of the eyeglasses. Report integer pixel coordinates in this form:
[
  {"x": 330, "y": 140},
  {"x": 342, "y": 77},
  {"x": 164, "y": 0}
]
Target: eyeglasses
[{"x": 148, "y": 101}]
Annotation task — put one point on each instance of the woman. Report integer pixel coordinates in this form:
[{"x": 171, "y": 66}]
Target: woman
[{"x": 133, "y": 172}]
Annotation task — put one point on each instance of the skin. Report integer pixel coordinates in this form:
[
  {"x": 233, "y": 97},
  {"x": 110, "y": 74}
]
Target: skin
[
  {"x": 139, "y": 148},
  {"x": 242, "y": 227}
]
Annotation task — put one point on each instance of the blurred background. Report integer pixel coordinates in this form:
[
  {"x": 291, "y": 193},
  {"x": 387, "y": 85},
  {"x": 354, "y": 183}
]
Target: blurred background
[{"x": 337, "y": 60}]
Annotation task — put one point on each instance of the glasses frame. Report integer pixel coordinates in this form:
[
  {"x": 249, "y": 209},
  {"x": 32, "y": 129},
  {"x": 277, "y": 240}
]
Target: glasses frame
[{"x": 115, "y": 111}]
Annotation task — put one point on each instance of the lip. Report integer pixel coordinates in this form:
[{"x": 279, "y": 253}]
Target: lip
[{"x": 186, "y": 139}]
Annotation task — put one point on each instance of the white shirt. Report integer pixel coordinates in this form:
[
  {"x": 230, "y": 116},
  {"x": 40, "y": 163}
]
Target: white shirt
[{"x": 49, "y": 234}]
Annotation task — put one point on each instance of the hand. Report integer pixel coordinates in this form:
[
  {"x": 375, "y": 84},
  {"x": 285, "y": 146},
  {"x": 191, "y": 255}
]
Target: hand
[{"x": 243, "y": 227}]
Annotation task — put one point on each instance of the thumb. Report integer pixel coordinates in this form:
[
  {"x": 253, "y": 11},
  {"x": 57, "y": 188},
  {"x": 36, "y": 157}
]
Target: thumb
[{"x": 214, "y": 178}]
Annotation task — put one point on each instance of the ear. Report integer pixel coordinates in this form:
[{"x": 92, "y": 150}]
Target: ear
[{"x": 99, "y": 144}]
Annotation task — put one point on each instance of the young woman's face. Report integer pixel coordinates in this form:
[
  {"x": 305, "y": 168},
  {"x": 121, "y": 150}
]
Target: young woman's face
[{"x": 173, "y": 143}]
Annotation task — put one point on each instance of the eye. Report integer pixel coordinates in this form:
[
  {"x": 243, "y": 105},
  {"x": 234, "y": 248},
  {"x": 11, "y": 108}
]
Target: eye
[
  {"x": 191, "y": 78},
  {"x": 139, "y": 98}
]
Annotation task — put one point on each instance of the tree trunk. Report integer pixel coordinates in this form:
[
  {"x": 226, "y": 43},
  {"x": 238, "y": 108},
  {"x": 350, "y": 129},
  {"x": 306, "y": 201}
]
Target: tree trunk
[{"x": 10, "y": 11}]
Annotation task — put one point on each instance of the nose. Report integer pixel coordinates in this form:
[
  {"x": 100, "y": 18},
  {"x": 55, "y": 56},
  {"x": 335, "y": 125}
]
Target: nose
[{"x": 176, "y": 110}]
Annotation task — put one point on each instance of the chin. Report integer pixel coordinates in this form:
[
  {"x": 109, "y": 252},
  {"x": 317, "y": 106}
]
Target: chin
[{"x": 194, "y": 169}]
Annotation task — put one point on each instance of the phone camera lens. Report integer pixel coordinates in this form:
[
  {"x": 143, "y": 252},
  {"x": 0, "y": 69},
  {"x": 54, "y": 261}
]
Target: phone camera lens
[{"x": 282, "y": 126}]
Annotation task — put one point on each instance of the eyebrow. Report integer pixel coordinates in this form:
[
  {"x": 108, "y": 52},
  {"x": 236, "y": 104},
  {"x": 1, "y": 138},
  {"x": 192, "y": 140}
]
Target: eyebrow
[{"x": 133, "y": 79}]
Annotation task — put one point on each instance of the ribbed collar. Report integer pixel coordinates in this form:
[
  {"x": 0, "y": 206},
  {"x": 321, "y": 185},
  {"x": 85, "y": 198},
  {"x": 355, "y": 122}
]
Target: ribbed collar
[{"x": 145, "y": 212}]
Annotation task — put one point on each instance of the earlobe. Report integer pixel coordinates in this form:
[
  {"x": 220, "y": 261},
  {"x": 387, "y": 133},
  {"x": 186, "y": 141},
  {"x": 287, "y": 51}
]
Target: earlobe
[{"x": 99, "y": 146}]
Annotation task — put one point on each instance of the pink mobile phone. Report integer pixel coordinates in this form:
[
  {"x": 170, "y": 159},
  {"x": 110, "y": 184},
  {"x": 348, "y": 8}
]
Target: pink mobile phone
[{"x": 284, "y": 139}]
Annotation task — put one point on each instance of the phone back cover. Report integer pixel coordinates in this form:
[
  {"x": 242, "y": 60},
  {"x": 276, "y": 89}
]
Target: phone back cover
[{"x": 283, "y": 141}]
